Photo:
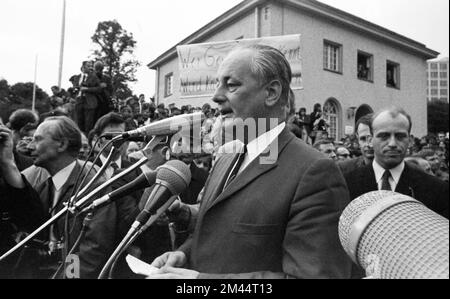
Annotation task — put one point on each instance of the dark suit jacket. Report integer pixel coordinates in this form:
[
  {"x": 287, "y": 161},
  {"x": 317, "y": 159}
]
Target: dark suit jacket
[
  {"x": 274, "y": 220},
  {"x": 351, "y": 165},
  {"x": 427, "y": 189},
  {"x": 90, "y": 96},
  {"x": 100, "y": 239}
]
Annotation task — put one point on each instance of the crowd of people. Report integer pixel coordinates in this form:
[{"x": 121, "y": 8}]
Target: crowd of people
[{"x": 239, "y": 218}]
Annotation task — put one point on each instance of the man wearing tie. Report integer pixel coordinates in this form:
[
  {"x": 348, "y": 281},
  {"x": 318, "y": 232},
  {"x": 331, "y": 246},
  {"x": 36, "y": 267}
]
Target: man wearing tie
[
  {"x": 55, "y": 147},
  {"x": 270, "y": 210},
  {"x": 391, "y": 129}
]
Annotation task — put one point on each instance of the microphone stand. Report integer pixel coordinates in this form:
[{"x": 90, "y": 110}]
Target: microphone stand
[
  {"x": 148, "y": 152},
  {"x": 135, "y": 231}
]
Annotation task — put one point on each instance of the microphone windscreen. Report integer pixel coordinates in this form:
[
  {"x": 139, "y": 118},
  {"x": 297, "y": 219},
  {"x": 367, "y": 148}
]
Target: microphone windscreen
[
  {"x": 395, "y": 236},
  {"x": 175, "y": 174}
]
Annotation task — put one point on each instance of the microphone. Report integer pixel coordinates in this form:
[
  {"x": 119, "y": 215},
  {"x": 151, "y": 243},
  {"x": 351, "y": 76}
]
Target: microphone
[
  {"x": 172, "y": 179},
  {"x": 393, "y": 236},
  {"x": 168, "y": 126},
  {"x": 142, "y": 138},
  {"x": 146, "y": 179}
]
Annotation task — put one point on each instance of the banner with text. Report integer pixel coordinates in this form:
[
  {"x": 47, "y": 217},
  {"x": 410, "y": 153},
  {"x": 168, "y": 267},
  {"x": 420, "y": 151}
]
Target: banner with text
[{"x": 199, "y": 63}]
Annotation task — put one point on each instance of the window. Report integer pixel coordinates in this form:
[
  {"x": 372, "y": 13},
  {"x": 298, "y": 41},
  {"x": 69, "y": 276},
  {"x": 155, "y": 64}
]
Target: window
[
  {"x": 331, "y": 116},
  {"x": 365, "y": 66},
  {"x": 434, "y": 83},
  {"x": 392, "y": 74},
  {"x": 443, "y": 75},
  {"x": 443, "y": 66},
  {"x": 169, "y": 85},
  {"x": 433, "y": 66},
  {"x": 444, "y": 92},
  {"x": 332, "y": 57},
  {"x": 266, "y": 13},
  {"x": 434, "y": 74},
  {"x": 434, "y": 92},
  {"x": 444, "y": 83}
]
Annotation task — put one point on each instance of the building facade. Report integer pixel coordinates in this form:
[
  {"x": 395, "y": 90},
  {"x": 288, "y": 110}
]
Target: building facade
[
  {"x": 437, "y": 74},
  {"x": 350, "y": 66}
]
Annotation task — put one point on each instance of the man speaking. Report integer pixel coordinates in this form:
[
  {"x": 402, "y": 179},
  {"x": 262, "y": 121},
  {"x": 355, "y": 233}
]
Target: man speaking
[{"x": 262, "y": 217}]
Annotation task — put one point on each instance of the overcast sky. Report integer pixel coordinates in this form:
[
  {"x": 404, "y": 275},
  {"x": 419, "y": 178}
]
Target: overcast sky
[{"x": 33, "y": 27}]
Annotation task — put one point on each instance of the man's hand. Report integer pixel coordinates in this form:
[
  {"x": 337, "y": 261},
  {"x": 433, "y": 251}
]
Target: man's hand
[
  {"x": 170, "y": 259},
  {"x": 174, "y": 273},
  {"x": 6, "y": 147},
  {"x": 8, "y": 167}
]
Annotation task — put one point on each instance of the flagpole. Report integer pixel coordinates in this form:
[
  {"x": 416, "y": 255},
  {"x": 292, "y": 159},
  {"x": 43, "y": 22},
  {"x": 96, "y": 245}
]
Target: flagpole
[
  {"x": 61, "y": 53},
  {"x": 33, "y": 105}
]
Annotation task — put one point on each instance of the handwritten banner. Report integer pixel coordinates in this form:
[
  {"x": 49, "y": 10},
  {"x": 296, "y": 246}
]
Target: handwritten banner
[{"x": 199, "y": 63}]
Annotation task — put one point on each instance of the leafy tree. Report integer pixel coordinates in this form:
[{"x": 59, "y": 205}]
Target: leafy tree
[
  {"x": 438, "y": 113},
  {"x": 115, "y": 48},
  {"x": 20, "y": 96}
]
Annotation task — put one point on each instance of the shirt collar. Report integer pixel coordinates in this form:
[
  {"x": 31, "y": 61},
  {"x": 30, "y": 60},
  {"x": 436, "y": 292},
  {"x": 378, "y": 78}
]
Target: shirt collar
[
  {"x": 61, "y": 177},
  {"x": 257, "y": 146},
  {"x": 118, "y": 161},
  {"x": 396, "y": 172}
]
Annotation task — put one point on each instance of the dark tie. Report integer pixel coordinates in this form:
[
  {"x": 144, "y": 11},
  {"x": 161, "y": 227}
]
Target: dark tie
[
  {"x": 114, "y": 166},
  {"x": 235, "y": 170},
  {"x": 385, "y": 185}
]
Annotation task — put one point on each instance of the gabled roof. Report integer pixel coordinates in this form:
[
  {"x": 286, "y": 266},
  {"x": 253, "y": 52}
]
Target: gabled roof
[{"x": 311, "y": 6}]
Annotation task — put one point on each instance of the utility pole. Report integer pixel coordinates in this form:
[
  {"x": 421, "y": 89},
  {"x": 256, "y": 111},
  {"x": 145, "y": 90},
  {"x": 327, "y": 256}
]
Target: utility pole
[
  {"x": 33, "y": 105},
  {"x": 61, "y": 53}
]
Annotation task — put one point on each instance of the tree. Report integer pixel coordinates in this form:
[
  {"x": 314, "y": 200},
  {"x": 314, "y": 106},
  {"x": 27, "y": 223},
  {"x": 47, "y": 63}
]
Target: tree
[
  {"x": 20, "y": 96},
  {"x": 115, "y": 49},
  {"x": 438, "y": 113}
]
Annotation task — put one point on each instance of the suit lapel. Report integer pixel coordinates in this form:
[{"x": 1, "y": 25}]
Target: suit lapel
[
  {"x": 251, "y": 173},
  {"x": 68, "y": 186},
  {"x": 404, "y": 185}
]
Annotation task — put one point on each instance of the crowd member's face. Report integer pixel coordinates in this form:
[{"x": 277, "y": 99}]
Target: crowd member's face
[
  {"x": 85, "y": 148},
  {"x": 132, "y": 148},
  {"x": 425, "y": 165},
  {"x": 113, "y": 128},
  {"x": 44, "y": 149},
  {"x": 441, "y": 137},
  {"x": 342, "y": 153},
  {"x": 329, "y": 150},
  {"x": 434, "y": 162},
  {"x": 239, "y": 86},
  {"x": 126, "y": 113},
  {"x": 365, "y": 141},
  {"x": 390, "y": 140}
]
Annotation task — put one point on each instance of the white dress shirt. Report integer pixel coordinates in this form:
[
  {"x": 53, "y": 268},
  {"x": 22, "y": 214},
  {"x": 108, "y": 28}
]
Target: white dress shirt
[
  {"x": 109, "y": 170},
  {"x": 394, "y": 179}
]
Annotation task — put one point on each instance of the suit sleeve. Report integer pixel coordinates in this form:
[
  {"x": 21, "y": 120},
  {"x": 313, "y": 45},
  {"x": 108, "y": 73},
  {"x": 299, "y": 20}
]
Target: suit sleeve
[
  {"x": 311, "y": 243},
  {"x": 24, "y": 206}
]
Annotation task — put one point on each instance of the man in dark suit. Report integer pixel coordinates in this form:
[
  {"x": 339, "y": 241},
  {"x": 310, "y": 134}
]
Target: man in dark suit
[
  {"x": 364, "y": 135},
  {"x": 391, "y": 129},
  {"x": 55, "y": 147},
  {"x": 20, "y": 211},
  {"x": 272, "y": 210},
  {"x": 87, "y": 100}
]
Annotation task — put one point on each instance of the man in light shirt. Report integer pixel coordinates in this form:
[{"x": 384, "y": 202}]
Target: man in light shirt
[
  {"x": 271, "y": 209},
  {"x": 55, "y": 148},
  {"x": 391, "y": 129}
]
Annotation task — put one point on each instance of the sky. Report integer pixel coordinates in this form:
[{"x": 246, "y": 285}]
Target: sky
[{"x": 32, "y": 28}]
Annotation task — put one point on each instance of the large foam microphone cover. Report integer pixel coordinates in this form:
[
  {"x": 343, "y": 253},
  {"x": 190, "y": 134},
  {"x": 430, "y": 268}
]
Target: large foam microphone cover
[{"x": 393, "y": 236}]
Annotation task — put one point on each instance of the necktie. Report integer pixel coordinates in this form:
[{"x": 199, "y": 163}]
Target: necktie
[
  {"x": 385, "y": 185},
  {"x": 235, "y": 170},
  {"x": 114, "y": 166}
]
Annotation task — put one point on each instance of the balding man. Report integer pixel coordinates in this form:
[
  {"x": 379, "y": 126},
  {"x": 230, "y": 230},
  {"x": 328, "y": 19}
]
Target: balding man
[
  {"x": 55, "y": 148},
  {"x": 391, "y": 129},
  {"x": 272, "y": 209}
]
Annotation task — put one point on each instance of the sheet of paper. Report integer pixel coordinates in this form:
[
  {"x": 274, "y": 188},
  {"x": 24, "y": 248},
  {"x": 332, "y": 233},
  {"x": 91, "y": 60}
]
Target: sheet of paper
[{"x": 140, "y": 267}]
